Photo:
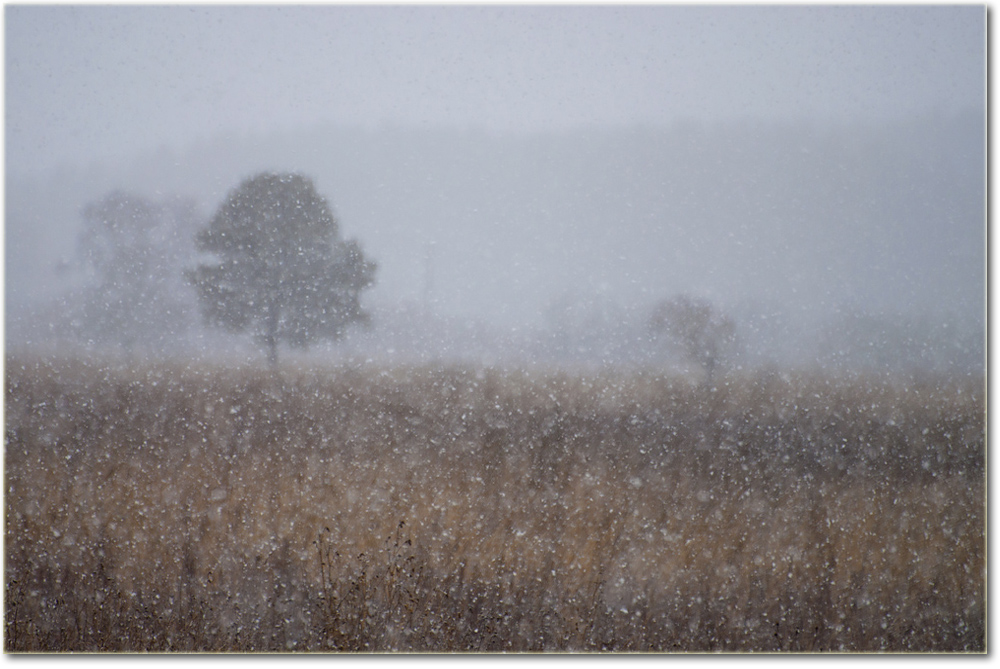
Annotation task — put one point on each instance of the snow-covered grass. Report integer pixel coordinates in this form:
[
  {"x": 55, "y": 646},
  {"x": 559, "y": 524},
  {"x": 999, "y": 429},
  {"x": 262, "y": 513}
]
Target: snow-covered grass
[{"x": 171, "y": 507}]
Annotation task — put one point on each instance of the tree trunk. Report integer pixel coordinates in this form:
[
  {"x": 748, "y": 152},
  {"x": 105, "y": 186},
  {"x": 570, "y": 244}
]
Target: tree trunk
[
  {"x": 272, "y": 350},
  {"x": 271, "y": 338},
  {"x": 708, "y": 363}
]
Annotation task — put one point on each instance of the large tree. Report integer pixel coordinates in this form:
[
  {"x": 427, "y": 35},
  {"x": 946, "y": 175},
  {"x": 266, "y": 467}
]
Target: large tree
[{"x": 281, "y": 270}]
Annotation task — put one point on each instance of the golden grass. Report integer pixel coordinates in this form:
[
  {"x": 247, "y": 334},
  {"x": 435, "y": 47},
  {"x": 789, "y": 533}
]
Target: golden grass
[{"x": 359, "y": 508}]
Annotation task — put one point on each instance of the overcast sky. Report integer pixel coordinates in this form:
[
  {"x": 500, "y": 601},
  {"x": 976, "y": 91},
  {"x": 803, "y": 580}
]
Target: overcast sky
[
  {"x": 498, "y": 160},
  {"x": 90, "y": 82}
]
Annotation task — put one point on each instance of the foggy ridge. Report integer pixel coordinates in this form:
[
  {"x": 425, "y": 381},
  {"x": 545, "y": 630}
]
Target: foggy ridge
[{"x": 798, "y": 223}]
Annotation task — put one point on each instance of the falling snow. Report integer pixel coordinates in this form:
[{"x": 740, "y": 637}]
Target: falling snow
[{"x": 495, "y": 329}]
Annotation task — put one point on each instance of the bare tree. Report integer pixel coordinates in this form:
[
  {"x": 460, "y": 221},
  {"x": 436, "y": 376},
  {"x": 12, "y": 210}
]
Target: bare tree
[{"x": 693, "y": 325}]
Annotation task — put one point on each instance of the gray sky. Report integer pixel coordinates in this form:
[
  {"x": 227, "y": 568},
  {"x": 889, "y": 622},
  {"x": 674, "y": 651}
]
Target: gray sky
[
  {"x": 91, "y": 82},
  {"x": 789, "y": 160}
]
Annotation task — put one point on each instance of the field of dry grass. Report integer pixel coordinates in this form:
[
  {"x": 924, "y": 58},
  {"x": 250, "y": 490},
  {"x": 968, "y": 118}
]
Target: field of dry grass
[{"x": 170, "y": 508}]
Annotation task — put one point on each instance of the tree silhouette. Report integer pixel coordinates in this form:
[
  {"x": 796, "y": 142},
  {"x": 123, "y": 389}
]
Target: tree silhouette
[
  {"x": 132, "y": 249},
  {"x": 702, "y": 333},
  {"x": 283, "y": 272}
]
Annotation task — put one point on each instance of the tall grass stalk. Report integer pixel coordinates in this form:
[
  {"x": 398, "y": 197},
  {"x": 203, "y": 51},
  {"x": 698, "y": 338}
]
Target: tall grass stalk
[{"x": 173, "y": 508}]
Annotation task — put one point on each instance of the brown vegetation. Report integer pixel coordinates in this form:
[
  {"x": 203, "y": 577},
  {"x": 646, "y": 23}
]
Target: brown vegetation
[{"x": 175, "y": 508}]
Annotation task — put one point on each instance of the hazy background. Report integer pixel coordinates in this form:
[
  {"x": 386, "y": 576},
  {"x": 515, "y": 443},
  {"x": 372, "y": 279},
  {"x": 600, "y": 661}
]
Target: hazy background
[{"x": 523, "y": 171}]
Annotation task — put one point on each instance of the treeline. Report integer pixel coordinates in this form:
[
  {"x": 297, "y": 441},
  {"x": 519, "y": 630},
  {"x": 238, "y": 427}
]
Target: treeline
[{"x": 857, "y": 246}]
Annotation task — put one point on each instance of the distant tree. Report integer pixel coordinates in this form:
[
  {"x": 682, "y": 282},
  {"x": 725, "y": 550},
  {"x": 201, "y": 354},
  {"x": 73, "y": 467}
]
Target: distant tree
[
  {"x": 131, "y": 250},
  {"x": 701, "y": 332},
  {"x": 282, "y": 273}
]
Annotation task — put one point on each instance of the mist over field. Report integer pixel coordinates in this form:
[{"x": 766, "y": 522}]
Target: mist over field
[
  {"x": 791, "y": 227},
  {"x": 500, "y": 328},
  {"x": 794, "y": 201}
]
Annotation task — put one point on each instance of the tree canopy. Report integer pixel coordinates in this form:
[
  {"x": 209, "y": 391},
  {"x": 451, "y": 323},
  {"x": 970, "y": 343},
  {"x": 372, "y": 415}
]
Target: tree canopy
[
  {"x": 281, "y": 270},
  {"x": 132, "y": 249}
]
